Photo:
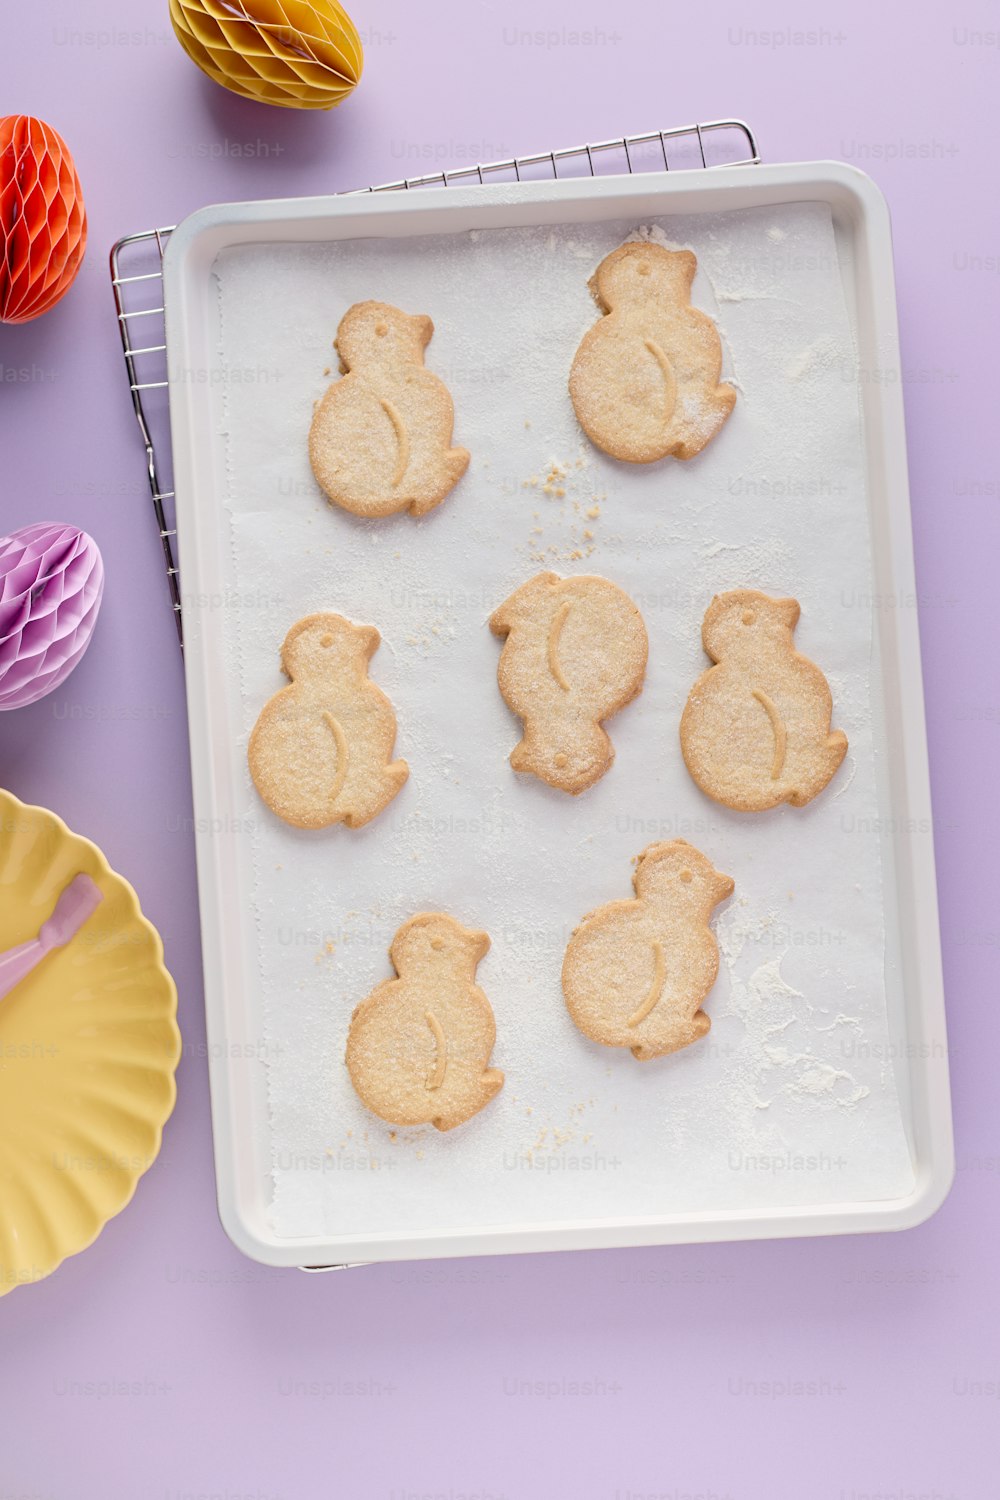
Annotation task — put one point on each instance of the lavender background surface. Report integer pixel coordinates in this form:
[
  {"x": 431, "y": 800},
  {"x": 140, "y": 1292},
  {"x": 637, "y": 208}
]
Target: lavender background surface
[{"x": 161, "y": 1363}]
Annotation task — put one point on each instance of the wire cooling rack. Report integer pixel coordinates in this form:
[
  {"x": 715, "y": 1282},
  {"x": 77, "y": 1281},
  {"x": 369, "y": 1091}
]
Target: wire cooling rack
[{"x": 137, "y": 274}]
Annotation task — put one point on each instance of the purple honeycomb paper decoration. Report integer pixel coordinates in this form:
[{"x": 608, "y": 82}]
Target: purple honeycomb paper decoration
[{"x": 51, "y": 582}]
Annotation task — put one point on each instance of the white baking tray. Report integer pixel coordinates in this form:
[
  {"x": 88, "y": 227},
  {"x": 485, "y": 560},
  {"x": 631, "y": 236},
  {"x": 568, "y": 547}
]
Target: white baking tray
[{"x": 913, "y": 972}]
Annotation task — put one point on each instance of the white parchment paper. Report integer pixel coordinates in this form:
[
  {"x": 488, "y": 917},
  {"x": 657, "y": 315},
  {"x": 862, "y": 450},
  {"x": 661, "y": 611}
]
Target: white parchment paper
[{"x": 790, "y": 1100}]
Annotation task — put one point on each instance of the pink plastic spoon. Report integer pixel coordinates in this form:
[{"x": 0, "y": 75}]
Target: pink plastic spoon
[{"x": 79, "y": 900}]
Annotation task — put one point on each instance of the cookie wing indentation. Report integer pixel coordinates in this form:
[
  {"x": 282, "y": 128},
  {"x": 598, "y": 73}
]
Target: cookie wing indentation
[
  {"x": 670, "y": 394},
  {"x": 402, "y": 441},
  {"x": 555, "y": 632},
  {"x": 340, "y": 740},
  {"x": 436, "y": 1078},
  {"x": 777, "y": 729},
  {"x": 655, "y": 989}
]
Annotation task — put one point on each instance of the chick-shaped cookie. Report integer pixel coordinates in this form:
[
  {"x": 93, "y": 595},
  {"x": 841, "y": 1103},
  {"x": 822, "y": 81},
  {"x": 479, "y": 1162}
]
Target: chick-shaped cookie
[
  {"x": 320, "y": 751},
  {"x": 380, "y": 439},
  {"x": 418, "y": 1048},
  {"x": 575, "y": 653},
  {"x": 636, "y": 972},
  {"x": 755, "y": 731},
  {"x": 645, "y": 379}
]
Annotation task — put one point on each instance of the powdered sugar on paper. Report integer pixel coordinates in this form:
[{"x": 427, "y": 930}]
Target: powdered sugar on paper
[{"x": 788, "y": 1100}]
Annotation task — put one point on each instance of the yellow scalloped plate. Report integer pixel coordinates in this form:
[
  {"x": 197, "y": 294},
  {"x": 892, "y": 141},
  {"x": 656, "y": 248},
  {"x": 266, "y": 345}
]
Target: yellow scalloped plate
[{"x": 88, "y": 1050}]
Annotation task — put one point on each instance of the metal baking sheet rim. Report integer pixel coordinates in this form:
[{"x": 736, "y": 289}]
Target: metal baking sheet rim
[{"x": 917, "y": 1022}]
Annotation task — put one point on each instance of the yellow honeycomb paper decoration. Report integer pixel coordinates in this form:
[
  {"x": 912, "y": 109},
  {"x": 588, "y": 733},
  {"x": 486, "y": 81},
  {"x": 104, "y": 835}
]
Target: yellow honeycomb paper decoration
[{"x": 299, "y": 54}]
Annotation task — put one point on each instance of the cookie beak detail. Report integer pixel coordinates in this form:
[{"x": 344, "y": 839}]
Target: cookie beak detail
[
  {"x": 480, "y": 943},
  {"x": 371, "y": 638},
  {"x": 424, "y": 326}
]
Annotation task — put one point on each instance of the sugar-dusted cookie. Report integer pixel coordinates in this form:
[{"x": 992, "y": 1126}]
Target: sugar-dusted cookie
[
  {"x": 575, "y": 654},
  {"x": 756, "y": 727},
  {"x": 380, "y": 439},
  {"x": 645, "y": 380},
  {"x": 418, "y": 1048},
  {"x": 320, "y": 750},
  {"x": 636, "y": 972}
]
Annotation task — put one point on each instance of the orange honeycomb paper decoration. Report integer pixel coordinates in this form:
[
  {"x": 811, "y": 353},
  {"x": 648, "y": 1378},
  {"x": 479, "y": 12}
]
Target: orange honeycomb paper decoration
[
  {"x": 43, "y": 223},
  {"x": 300, "y": 54}
]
